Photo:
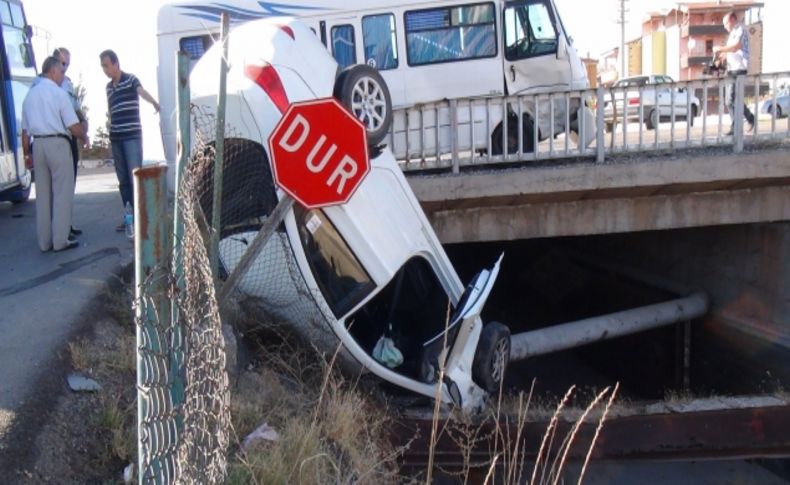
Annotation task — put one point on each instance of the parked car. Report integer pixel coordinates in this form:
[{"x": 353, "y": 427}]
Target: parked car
[
  {"x": 656, "y": 100},
  {"x": 782, "y": 106},
  {"x": 369, "y": 274}
]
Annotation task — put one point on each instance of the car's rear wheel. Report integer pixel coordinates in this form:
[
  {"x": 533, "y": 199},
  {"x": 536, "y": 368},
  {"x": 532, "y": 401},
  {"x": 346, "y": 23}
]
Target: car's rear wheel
[
  {"x": 491, "y": 357},
  {"x": 775, "y": 110},
  {"x": 362, "y": 90}
]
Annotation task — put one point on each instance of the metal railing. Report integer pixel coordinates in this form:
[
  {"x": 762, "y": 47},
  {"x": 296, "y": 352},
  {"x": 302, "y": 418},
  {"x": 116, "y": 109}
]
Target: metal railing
[{"x": 455, "y": 133}]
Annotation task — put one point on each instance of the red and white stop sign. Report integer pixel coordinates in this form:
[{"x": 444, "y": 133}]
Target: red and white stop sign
[{"x": 319, "y": 153}]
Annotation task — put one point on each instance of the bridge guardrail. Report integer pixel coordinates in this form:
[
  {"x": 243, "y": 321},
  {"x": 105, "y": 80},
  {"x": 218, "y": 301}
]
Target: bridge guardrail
[{"x": 454, "y": 133}]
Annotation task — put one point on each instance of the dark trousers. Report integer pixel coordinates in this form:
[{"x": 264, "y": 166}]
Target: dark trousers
[
  {"x": 75, "y": 156},
  {"x": 730, "y": 95}
]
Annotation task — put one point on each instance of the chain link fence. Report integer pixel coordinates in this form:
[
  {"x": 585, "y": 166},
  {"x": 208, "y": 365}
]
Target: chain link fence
[{"x": 185, "y": 424}]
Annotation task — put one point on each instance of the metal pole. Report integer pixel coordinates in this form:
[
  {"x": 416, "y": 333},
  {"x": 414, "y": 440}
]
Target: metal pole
[
  {"x": 600, "y": 148},
  {"x": 184, "y": 148},
  {"x": 605, "y": 327},
  {"x": 737, "y": 125},
  {"x": 155, "y": 429},
  {"x": 216, "y": 210},
  {"x": 272, "y": 223}
]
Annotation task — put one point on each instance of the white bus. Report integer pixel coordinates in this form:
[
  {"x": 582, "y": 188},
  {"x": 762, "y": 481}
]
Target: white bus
[
  {"x": 17, "y": 71},
  {"x": 425, "y": 51}
]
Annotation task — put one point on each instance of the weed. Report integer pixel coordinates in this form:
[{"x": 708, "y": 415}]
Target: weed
[{"x": 80, "y": 355}]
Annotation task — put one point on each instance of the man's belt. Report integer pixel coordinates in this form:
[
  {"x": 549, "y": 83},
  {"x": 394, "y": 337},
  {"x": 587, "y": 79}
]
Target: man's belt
[{"x": 56, "y": 135}]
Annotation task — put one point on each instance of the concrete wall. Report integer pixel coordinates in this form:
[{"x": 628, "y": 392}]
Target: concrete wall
[{"x": 744, "y": 268}]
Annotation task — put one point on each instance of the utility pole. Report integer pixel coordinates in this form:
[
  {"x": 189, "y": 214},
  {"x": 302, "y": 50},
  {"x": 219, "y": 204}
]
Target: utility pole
[{"x": 623, "y": 10}]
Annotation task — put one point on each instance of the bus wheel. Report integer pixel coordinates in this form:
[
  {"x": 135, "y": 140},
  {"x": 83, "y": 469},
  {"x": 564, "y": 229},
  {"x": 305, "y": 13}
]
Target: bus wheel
[
  {"x": 362, "y": 90},
  {"x": 21, "y": 195},
  {"x": 491, "y": 357}
]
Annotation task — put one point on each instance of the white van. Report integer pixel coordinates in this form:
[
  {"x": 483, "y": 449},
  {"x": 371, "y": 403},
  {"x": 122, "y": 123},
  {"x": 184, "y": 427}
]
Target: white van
[
  {"x": 370, "y": 274},
  {"x": 425, "y": 51}
]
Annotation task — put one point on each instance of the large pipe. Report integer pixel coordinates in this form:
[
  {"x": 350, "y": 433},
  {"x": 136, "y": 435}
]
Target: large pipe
[{"x": 590, "y": 330}]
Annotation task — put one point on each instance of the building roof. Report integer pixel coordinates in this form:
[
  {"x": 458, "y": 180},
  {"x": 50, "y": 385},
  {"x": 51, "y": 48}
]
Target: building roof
[{"x": 719, "y": 6}]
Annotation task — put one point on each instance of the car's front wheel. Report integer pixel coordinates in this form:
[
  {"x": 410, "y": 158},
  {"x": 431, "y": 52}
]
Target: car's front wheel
[
  {"x": 491, "y": 357},
  {"x": 362, "y": 90}
]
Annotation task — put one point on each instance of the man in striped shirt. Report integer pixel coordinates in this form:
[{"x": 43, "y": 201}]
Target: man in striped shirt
[{"x": 126, "y": 132}]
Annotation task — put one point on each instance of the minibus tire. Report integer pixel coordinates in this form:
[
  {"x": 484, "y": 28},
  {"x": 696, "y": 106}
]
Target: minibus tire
[
  {"x": 344, "y": 91},
  {"x": 491, "y": 357},
  {"x": 528, "y": 136}
]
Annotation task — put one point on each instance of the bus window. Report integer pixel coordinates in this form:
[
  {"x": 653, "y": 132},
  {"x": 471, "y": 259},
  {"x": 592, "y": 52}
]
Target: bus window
[
  {"x": 378, "y": 37},
  {"x": 529, "y": 31},
  {"x": 343, "y": 47},
  {"x": 450, "y": 34},
  {"x": 195, "y": 47},
  {"x": 17, "y": 45}
]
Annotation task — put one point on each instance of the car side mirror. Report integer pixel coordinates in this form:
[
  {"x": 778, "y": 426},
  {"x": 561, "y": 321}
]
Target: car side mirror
[{"x": 681, "y": 90}]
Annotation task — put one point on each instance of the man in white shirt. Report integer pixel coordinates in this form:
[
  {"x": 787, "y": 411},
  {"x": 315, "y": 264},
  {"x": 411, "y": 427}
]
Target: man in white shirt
[
  {"x": 737, "y": 51},
  {"x": 49, "y": 118}
]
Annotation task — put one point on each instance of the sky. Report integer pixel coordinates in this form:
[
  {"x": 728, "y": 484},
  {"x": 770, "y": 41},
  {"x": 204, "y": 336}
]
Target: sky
[{"x": 87, "y": 27}]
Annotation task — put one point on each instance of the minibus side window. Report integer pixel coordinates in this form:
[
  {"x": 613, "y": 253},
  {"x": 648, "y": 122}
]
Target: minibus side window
[
  {"x": 343, "y": 46},
  {"x": 529, "y": 31},
  {"x": 450, "y": 34},
  {"x": 378, "y": 37},
  {"x": 342, "y": 279}
]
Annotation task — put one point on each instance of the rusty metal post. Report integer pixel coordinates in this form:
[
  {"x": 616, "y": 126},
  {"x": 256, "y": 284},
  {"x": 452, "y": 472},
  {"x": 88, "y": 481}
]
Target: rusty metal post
[
  {"x": 219, "y": 156},
  {"x": 152, "y": 312}
]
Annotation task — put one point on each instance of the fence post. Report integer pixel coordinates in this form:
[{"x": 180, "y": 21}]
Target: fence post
[
  {"x": 737, "y": 127},
  {"x": 454, "y": 135},
  {"x": 184, "y": 148},
  {"x": 219, "y": 157},
  {"x": 599, "y": 122},
  {"x": 156, "y": 428}
]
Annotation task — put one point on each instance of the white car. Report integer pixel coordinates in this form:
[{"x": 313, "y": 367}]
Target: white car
[
  {"x": 370, "y": 274},
  {"x": 656, "y": 100}
]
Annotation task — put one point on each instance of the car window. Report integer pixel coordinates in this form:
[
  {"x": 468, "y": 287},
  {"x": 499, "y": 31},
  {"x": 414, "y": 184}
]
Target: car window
[
  {"x": 378, "y": 38},
  {"x": 340, "y": 276},
  {"x": 529, "y": 31},
  {"x": 450, "y": 34},
  {"x": 343, "y": 47}
]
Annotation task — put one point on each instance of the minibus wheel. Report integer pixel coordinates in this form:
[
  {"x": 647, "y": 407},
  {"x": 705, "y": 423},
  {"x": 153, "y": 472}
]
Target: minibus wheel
[
  {"x": 528, "y": 136},
  {"x": 491, "y": 357},
  {"x": 362, "y": 90}
]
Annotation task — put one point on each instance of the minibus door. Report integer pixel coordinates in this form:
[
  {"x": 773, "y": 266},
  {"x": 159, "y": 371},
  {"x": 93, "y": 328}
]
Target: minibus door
[{"x": 535, "y": 50}]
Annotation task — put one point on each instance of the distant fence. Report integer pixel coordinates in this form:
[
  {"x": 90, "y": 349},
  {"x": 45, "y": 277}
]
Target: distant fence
[{"x": 456, "y": 133}]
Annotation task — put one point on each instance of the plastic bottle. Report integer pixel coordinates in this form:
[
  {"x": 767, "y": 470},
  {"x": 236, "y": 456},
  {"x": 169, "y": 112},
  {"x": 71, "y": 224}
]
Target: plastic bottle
[{"x": 128, "y": 220}]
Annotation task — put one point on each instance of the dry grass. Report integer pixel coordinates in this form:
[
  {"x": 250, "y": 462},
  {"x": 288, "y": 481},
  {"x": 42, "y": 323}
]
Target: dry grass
[
  {"x": 329, "y": 430},
  {"x": 79, "y": 350}
]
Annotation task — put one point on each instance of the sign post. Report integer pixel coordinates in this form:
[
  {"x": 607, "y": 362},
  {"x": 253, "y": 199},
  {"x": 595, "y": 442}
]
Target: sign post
[{"x": 319, "y": 158}]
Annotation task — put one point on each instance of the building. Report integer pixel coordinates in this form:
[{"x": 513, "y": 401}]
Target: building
[{"x": 679, "y": 41}]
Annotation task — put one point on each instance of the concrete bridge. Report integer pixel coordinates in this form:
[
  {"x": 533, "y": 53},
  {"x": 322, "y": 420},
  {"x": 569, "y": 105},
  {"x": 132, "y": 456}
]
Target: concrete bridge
[{"x": 629, "y": 193}]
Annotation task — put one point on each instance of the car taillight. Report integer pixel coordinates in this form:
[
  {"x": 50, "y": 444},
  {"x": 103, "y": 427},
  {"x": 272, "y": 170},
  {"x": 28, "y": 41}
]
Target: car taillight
[
  {"x": 267, "y": 78},
  {"x": 633, "y": 102}
]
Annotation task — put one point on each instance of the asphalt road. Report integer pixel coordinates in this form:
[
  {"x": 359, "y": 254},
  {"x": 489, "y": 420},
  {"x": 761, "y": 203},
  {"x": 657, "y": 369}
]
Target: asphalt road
[{"x": 43, "y": 296}]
